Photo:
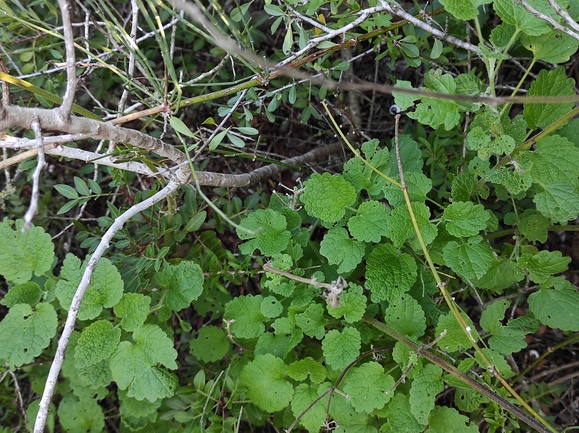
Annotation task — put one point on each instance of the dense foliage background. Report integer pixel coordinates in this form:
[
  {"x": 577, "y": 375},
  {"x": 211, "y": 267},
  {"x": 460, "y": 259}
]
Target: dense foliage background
[{"x": 288, "y": 242}]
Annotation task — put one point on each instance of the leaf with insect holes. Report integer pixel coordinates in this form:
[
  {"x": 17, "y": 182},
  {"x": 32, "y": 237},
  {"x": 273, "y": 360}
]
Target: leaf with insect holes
[
  {"x": 265, "y": 230},
  {"x": 455, "y": 337},
  {"x": 470, "y": 259},
  {"x": 342, "y": 250},
  {"x": 312, "y": 321},
  {"x": 406, "y": 316},
  {"x": 553, "y": 47},
  {"x": 326, "y": 196},
  {"x": 24, "y": 253},
  {"x": 25, "y": 332},
  {"x": 534, "y": 226},
  {"x": 266, "y": 387},
  {"x": 389, "y": 273},
  {"x": 210, "y": 345}
]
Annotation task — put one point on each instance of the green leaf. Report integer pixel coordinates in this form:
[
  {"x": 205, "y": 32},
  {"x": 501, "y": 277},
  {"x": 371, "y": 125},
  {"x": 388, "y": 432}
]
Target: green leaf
[
  {"x": 288, "y": 41},
  {"x": 341, "y": 250},
  {"x": 245, "y": 312},
  {"x": 300, "y": 370},
  {"x": 447, "y": 420},
  {"x": 370, "y": 223},
  {"x": 266, "y": 387},
  {"x": 313, "y": 417},
  {"x": 341, "y": 348},
  {"x": 437, "y": 112},
  {"x": 553, "y": 47},
  {"x": 361, "y": 176},
  {"x": 463, "y": 9},
  {"x": 534, "y": 226},
  {"x": 24, "y": 253},
  {"x": 463, "y": 186},
  {"x": 501, "y": 35},
  {"x": 418, "y": 186},
  {"x": 352, "y": 304},
  {"x": 184, "y": 283},
  {"x": 84, "y": 415},
  {"x": 133, "y": 309},
  {"x": 401, "y": 228},
  {"x": 399, "y": 418},
  {"x": 455, "y": 337},
  {"x": 504, "y": 339},
  {"x": 195, "y": 222},
  {"x": 95, "y": 187},
  {"x": 558, "y": 307},
  {"x": 133, "y": 365},
  {"x": 497, "y": 361},
  {"x": 96, "y": 342},
  {"x": 273, "y": 10},
  {"x": 216, "y": 141},
  {"x": 423, "y": 392},
  {"x": 406, "y": 316},
  {"x": 312, "y": 321},
  {"x": 27, "y": 293},
  {"x": 210, "y": 345},
  {"x": 268, "y": 232},
  {"x": 24, "y": 333},
  {"x": 67, "y": 191},
  {"x": 559, "y": 202},
  {"x": 549, "y": 83},
  {"x": 515, "y": 14},
  {"x": 555, "y": 159},
  {"x": 81, "y": 186},
  {"x": 471, "y": 259},
  {"x": 179, "y": 126},
  {"x": 326, "y": 196},
  {"x": 104, "y": 291},
  {"x": 271, "y": 307},
  {"x": 502, "y": 274},
  {"x": 404, "y": 100},
  {"x": 544, "y": 264},
  {"x": 389, "y": 274},
  {"x": 464, "y": 218},
  {"x": 367, "y": 385}
]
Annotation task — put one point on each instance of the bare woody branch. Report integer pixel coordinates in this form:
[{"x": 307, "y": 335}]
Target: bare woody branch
[{"x": 71, "y": 79}]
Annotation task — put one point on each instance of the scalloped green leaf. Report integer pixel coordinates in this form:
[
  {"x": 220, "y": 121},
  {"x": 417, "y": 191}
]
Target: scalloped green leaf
[
  {"x": 341, "y": 250},
  {"x": 464, "y": 218},
  {"x": 367, "y": 386},
  {"x": 24, "y": 253},
  {"x": 370, "y": 223},
  {"x": 557, "y": 307},
  {"x": 266, "y": 387},
  {"x": 341, "y": 348},
  {"x": 25, "y": 332},
  {"x": 266, "y": 231},
  {"x": 245, "y": 314},
  {"x": 184, "y": 283},
  {"x": 389, "y": 273},
  {"x": 471, "y": 259},
  {"x": 326, "y": 196}
]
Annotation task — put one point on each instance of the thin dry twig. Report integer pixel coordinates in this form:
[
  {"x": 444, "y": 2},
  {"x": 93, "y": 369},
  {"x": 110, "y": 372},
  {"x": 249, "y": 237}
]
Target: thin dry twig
[
  {"x": 33, "y": 208},
  {"x": 71, "y": 79}
]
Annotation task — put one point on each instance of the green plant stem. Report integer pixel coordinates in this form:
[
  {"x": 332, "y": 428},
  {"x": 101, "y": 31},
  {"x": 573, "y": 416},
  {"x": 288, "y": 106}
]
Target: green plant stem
[{"x": 420, "y": 351}]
